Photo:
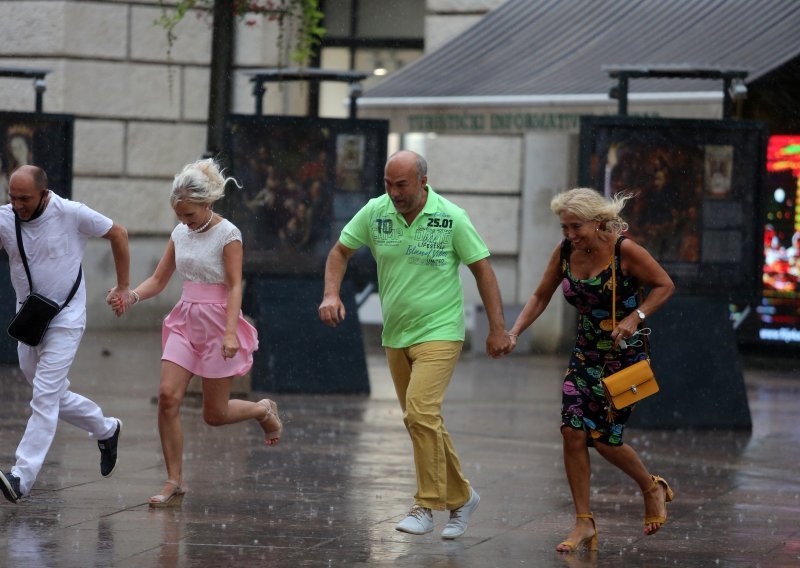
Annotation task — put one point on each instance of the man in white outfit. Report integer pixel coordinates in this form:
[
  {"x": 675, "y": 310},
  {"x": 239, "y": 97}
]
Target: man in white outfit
[{"x": 54, "y": 235}]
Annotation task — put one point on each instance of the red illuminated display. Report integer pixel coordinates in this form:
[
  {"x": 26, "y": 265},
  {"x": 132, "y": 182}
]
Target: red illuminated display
[{"x": 779, "y": 311}]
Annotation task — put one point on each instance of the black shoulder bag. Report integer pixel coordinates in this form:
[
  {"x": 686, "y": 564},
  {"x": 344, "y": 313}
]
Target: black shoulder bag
[{"x": 33, "y": 318}]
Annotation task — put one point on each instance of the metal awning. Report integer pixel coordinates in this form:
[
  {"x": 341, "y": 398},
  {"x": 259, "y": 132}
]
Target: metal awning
[{"x": 554, "y": 51}]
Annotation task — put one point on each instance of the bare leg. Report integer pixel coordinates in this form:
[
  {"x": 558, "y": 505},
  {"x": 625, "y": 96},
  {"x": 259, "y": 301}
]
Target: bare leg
[
  {"x": 578, "y": 468},
  {"x": 174, "y": 380},
  {"x": 219, "y": 409},
  {"x": 626, "y": 458}
]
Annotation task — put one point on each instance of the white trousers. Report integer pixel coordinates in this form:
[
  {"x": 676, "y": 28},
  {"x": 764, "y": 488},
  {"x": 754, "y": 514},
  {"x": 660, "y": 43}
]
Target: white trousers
[{"x": 46, "y": 367}]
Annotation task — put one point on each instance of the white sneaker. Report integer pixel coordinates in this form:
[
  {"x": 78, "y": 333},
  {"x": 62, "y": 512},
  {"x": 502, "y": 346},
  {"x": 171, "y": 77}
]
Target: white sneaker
[
  {"x": 418, "y": 521},
  {"x": 459, "y": 518}
]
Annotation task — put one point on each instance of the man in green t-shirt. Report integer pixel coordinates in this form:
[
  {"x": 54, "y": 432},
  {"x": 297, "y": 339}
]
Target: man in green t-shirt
[{"x": 419, "y": 239}]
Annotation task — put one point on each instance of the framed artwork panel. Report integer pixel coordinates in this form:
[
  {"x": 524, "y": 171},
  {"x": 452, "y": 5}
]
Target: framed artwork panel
[
  {"x": 44, "y": 140},
  {"x": 696, "y": 187},
  {"x": 303, "y": 178}
]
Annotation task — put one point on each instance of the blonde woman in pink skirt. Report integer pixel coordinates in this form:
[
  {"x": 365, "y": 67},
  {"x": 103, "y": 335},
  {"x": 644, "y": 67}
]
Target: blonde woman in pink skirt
[{"x": 205, "y": 333}]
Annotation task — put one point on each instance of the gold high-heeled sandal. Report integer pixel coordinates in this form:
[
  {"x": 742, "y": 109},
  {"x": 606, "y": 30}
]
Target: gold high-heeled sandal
[
  {"x": 171, "y": 499},
  {"x": 590, "y": 541},
  {"x": 668, "y": 496},
  {"x": 271, "y": 437}
]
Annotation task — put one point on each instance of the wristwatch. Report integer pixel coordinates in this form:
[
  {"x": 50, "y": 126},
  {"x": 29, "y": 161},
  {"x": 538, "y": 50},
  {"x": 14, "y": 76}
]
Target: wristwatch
[{"x": 640, "y": 313}]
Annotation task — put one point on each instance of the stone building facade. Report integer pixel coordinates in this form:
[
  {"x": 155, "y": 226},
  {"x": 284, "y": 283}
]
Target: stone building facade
[
  {"x": 141, "y": 114},
  {"x": 140, "y": 107},
  {"x": 496, "y": 109}
]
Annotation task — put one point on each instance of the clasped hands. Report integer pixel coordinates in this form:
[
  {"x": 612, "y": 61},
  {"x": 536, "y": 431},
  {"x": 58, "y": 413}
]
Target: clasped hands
[
  {"x": 120, "y": 299},
  {"x": 500, "y": 343}
]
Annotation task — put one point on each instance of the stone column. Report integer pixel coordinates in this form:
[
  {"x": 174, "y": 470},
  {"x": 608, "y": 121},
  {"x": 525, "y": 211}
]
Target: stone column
[{"x": 549, "y": 167}]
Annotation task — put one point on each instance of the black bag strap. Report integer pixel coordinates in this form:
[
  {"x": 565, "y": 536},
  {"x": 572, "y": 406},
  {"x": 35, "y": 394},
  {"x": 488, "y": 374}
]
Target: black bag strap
[{"x": 18, "y": 228}]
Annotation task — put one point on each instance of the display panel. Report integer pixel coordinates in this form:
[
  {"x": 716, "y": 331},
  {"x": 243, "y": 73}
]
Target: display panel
[
  {"x": 44, "y": 140},
  {"x": 777, "y": 315},
  {"x": 696, "y": 185},
  {"x": 303, "y": 178}
]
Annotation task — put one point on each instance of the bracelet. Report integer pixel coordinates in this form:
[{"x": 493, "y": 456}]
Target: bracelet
[
  {"x": 514, "y": 335},
  {"x": 136, "y": 297}
]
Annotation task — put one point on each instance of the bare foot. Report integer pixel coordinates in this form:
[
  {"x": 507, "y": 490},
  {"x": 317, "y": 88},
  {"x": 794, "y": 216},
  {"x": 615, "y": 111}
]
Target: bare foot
[{"x": 271, "y": 423}]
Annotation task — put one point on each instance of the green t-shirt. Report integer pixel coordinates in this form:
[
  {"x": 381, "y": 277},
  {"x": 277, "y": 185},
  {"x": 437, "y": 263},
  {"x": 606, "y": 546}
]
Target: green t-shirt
[{"x": 418, "y": 280}]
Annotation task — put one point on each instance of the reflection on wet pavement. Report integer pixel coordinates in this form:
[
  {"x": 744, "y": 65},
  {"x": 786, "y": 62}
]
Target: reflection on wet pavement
[{"x": 332, "y": 491}]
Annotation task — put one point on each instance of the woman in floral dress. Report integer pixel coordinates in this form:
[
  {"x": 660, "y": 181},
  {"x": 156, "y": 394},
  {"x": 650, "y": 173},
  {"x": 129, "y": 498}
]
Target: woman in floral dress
[{"x": 581, "y": 265}]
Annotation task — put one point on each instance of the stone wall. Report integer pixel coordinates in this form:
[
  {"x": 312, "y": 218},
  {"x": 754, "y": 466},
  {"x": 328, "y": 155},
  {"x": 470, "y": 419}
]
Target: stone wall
[{"x": 140, "y": 113}]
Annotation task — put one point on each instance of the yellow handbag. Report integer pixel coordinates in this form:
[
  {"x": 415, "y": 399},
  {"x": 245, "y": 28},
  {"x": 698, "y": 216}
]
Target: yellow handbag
[
  {"x": 633, "y": 383},
  {"x": 630, "y": 385}
]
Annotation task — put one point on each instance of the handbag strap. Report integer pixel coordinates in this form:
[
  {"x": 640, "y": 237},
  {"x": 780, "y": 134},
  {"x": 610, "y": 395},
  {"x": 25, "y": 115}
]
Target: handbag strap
[
  {"x": 614, "y": 288},
  {"x": 18, "y": 228},
  {"x": 645, "y": 338},
  {"x": 618, "y": 252}
]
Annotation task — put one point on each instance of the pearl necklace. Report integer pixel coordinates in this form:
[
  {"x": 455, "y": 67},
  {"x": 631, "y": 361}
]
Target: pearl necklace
[{"x": 205, "y": 225}]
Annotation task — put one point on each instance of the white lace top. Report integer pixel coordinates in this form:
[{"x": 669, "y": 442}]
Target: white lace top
[{"x": 198, "y": 256}]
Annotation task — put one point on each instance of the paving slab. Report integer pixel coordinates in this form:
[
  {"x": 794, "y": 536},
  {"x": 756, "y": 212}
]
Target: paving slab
[{"x": 331, "y": 492}]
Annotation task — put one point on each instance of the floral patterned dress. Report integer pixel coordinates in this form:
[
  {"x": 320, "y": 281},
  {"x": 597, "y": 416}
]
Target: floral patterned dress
[{"x": 583, "y": 403}]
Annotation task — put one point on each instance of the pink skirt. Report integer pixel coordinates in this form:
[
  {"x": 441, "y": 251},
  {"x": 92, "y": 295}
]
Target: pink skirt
[{"x": 192, "y": 333}]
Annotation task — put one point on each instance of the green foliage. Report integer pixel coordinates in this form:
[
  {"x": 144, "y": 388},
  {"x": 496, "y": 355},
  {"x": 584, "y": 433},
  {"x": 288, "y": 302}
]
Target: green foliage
[
  {"x": 311, "y": 32},
  {"x": 304, "y": 17}
]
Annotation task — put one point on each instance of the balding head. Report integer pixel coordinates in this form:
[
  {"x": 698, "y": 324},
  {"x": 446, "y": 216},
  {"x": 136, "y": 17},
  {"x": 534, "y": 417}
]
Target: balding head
[
  {"x": 407, "y": 158},
  {"x": 35, "y": 174},
  {"x": 405, "y": 181},
  {"x": 27, "y": 191}
]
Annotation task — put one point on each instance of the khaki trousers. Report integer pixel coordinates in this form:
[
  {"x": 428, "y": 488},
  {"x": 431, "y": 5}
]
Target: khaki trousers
[{"x": 421, "y": 374}]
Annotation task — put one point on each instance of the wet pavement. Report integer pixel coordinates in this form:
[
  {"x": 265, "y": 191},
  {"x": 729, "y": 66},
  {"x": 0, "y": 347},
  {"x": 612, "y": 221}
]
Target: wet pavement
[{"x": 342, "y": 477}]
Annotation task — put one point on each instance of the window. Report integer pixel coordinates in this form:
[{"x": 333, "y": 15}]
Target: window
[{"x": 376, "y": 36}]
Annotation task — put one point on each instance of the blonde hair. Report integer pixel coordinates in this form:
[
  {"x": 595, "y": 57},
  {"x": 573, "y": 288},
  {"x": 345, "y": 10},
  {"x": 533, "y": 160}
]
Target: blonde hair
[
  {"x": 199, "y": 182},
  {"x": 590, "y": 205}
]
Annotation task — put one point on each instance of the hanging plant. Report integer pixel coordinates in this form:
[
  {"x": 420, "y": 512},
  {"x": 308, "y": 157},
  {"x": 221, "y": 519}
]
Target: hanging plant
[{"x": 300, "y": 17}]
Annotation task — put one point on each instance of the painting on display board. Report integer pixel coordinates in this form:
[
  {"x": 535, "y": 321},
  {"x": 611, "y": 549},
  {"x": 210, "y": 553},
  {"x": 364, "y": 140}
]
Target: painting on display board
[
  {"x": 44, "y": 140},
  {"x": 695, "y": 187},
  {"x": 303, "y": 179}
]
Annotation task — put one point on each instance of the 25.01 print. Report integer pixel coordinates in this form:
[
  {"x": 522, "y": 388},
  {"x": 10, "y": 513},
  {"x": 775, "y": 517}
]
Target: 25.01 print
[{"x": 439, "y": 222}]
